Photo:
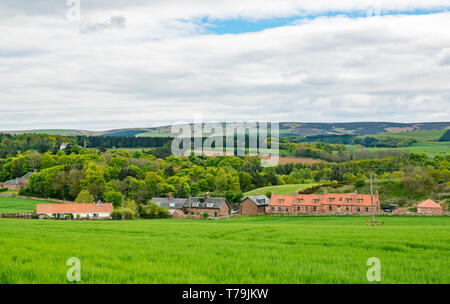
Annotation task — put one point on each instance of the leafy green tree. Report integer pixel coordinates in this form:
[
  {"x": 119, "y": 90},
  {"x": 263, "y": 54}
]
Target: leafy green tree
[
  {"x": 84, "y": 197},
  {"x": 114, "y": 197}
]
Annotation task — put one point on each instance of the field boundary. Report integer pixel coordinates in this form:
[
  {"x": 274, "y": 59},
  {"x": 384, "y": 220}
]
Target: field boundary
[{"x": 36, "y": 198}]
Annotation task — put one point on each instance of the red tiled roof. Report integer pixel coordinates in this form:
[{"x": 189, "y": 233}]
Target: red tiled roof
[
  {"x": 429, "y": 204},
  {"x": 338, "y": 199},
  {"x": 286, "y": 200},
  {"x": 73, "y": 208}
]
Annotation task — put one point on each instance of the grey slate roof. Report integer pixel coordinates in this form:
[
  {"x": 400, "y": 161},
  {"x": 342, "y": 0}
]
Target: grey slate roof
[
  {"x": 204, "y": 203},
  {"x": 19, "y": 180},
  {"x": 173, "y": 203},
  {"x": 259, "y": 200},
  {"x": 27, "y": 175}
]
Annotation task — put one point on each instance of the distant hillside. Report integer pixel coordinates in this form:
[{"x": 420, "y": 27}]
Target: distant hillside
[
  {"x": 287, "y": 129},
  {"x": 446, "y": 136}
]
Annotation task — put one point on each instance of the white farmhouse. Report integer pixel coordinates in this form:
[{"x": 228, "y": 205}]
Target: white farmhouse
[{"x": 95, "y": 211}]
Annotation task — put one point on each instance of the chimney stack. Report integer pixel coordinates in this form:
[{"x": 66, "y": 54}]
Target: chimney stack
[
  {"x": 356, "y": 191},
  {"x": 325, "y": 191},
  {"x": 296, "y": 193},
  {"x": 273, "y": 193},
  {"x": 170, "y": 195},
  {"x": 207, "y": 195}
]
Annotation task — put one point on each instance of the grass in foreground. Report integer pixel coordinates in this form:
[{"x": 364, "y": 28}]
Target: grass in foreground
[
  {"x": 281, "y": 189},
  {"x": 238, "y": 250},
  {"x": 18, "y": 205}
]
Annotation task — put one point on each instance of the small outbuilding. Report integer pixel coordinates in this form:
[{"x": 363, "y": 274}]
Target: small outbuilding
[
  {"x": 17, "y": 183},
  {"x": 254, "y": 205},
  {"x": 429, "y": 207}
]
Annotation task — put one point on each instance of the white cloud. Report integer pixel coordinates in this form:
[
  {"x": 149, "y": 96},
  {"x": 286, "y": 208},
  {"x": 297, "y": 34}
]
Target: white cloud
[{"x": 160, "y": 69}]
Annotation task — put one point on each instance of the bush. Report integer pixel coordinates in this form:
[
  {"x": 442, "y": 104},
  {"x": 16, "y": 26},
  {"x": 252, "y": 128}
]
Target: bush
[
  {"x": 3, "y": 189},
  {"x": 128, "y": 214},
  {"x": 123, "y": 213},
  {"x": 205, "y": 215}
]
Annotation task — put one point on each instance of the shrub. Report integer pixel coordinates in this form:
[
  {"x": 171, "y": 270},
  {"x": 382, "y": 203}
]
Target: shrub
[
  {"x": 205, "y": 215},
  {"x": 3, "y": 189},
  {"x": 123, "y": 213},
  {"x": 128, "y": 214},
  {"x": 116, "y": 214}
]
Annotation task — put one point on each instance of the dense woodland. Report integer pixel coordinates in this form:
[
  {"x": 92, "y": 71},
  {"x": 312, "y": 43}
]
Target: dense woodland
[
  {"x": 366, "y": 141},
  {"x": 76, "y": 173}
]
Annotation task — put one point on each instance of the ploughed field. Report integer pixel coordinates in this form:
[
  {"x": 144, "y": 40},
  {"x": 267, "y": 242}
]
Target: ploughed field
[{"x": 266, "y": 249}]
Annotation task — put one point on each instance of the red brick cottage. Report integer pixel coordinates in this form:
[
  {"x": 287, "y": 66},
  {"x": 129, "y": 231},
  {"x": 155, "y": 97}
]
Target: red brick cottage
[{"x": 429, "y": 207}]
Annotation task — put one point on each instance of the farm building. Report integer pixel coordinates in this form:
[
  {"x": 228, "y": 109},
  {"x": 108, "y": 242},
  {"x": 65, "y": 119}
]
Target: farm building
[
  {"x": 429, "y": 207},
  {"x": 254, "y": 205},
  {"x": 327, "y": 203},
  {"x": 17, "y": 183},
  {"x": 214, "y": 206},
  {"x": 195, "y": 207},
  {"x": 175, "y": 205},
  {"x": 82, "y": 211}
]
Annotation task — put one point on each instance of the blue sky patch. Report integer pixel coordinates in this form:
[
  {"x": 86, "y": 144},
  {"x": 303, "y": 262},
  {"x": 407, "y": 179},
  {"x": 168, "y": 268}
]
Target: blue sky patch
[{"x": 241, "y": 25}]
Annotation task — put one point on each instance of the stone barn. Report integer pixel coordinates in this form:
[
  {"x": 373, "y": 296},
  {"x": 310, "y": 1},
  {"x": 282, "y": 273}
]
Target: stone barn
[
  {"x": 213, "y": 206},
  {"x": 254, "y": 205},
  {"x": 17, "y": 183}
]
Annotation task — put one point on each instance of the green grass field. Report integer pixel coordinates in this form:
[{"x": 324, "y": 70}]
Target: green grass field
[
  {"x": 264, "y": 249},
  {"x": 429, "y": 148},
  {"x": 18, "y": 205},
  {"x": 421, "y": 135},
  {"x": 281, "y": 189}
]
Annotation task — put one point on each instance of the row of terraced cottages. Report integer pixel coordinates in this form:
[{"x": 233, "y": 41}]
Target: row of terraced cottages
[{"x": 327, "y": 203}]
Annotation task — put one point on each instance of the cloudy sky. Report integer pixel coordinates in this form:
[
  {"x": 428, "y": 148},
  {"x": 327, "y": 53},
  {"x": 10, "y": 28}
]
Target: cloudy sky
[{"x": 131, "y": 63}]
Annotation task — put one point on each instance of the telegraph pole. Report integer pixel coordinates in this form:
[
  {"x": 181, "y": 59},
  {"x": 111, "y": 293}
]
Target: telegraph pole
[{"x": 371, "y": 198}]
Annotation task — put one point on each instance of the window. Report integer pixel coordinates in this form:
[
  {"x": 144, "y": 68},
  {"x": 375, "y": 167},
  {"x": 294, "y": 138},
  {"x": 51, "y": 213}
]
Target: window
[
  {"x": 330, "y": 208},
  {"x": 279, "y": 209},
  {"x": 359, "y": 201},
  {"x": 347, "y": 200},
  {"x": 367, "y": 209},
  {"x": 273, "y": 208},
  {"x": 95, "y": 214},
  {"x": 280, "y": 201},
  {"x": 172, "y": 205},
  {"x": 331, "y": 200},
  {"x": 298, "y": 208},
  {"x": 315, "y": 209},
  {"x": 287, "y": 209},
  {"x": 306, "y": 209},
  {"x": 346, "y": 208},
  {"x": 340, "y": 199},
  {"x": 210, "y": 205},
  {"x": 300, "y": 201},
  {"x": 316, "y": 201},
  {"x": 194, "y": 204},
  {"x": 358, "y": 209}
]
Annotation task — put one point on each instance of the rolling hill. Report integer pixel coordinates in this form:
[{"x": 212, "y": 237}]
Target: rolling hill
[{"x": 287, "y": 129}]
